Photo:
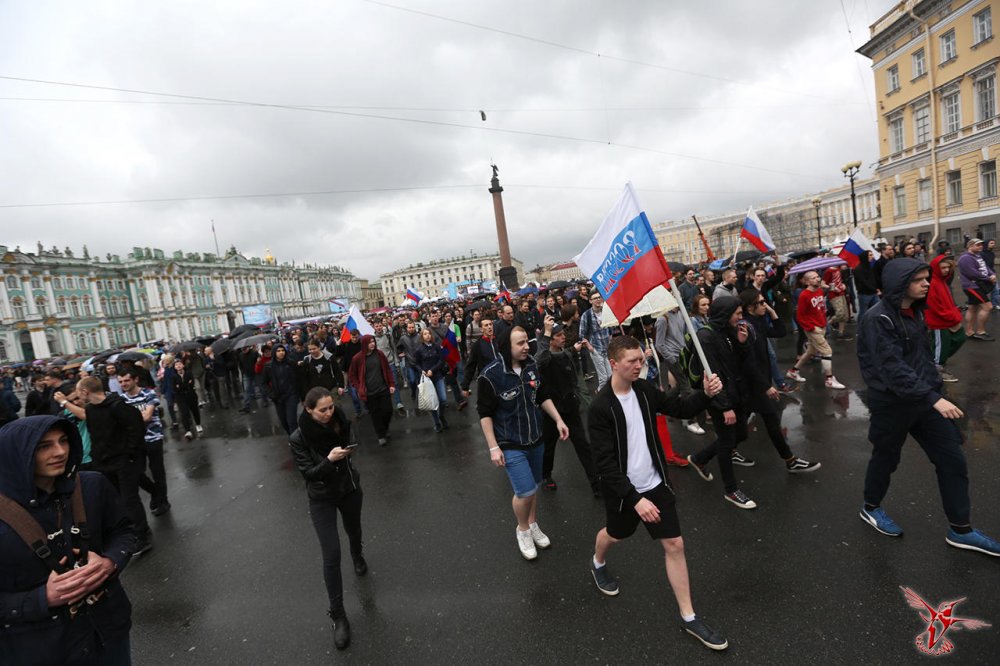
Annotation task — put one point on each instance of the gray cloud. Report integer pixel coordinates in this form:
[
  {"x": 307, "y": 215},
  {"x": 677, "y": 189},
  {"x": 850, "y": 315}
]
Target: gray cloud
[{"x": 799, "y": 108}]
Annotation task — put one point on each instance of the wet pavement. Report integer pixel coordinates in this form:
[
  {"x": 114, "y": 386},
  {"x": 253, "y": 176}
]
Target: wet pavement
[{"x": 235, "y": 575}]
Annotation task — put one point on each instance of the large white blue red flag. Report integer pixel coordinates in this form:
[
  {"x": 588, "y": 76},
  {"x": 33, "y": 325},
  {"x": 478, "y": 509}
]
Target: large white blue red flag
[
  {"x": 413, "y": 295},
  {"x": 855, "y": 247},
  {"x": 355, "y": 322},
  {"x": 754, "y": 231},
  {"x": 623, "y": 258}
]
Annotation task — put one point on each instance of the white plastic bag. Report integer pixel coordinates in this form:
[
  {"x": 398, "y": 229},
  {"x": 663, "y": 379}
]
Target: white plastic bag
[{"x": 427, "y": 397}]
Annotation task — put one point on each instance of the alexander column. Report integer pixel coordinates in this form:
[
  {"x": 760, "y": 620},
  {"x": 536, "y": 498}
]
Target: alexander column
[{"x": 508, "y": 274}]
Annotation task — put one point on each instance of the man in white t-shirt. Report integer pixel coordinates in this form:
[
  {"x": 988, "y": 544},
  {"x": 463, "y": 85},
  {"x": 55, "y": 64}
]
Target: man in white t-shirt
[{"x": 632, "y": 469}]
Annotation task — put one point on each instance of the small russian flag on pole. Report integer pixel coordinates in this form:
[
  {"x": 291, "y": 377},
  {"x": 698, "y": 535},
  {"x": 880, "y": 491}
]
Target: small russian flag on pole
[
  {"x": 413, "y": 296},
  {"x": 754, "y": 231},
  {"x": 855, "y": 247}
]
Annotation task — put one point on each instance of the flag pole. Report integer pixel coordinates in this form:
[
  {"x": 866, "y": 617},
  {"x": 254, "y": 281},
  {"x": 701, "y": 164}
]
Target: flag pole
[
  {"x": 739, "y": 241},
  {"x": 690, "y": 326}
]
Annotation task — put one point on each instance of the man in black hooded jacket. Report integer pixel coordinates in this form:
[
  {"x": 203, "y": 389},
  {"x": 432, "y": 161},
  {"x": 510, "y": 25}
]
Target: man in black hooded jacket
[
  {"x": 51, "y": 612},
  {"x": 904, "y": 397}
]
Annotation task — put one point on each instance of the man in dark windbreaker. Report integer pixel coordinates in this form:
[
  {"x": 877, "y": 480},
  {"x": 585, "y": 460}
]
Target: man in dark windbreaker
[
  {"x": 70, "y": 607},
  {"x": 904, "y": 397}
]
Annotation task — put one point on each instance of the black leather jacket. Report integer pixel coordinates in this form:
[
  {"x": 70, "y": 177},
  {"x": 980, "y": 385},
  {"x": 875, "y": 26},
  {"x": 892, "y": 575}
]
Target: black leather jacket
[{"x": 325, "y": 480}]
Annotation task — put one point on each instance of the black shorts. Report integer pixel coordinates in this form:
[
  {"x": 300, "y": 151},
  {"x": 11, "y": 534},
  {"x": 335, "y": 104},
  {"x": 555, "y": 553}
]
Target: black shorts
[
  {"x": 977, "y": 296},
  {"x": 622, "y": 521}
]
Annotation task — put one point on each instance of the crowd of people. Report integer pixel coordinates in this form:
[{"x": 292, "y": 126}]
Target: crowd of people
[{"x": 545, "y": 370}]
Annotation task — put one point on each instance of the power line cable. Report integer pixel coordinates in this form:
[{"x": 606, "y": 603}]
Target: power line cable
[
  {"x": 861, "y": 76},
  {"x": 421, "y": 121}
]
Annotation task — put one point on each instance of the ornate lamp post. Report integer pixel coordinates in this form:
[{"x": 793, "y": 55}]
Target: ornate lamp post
[
  {"x": 819, "y": 234},
  {"x": 850, "y": 171}
]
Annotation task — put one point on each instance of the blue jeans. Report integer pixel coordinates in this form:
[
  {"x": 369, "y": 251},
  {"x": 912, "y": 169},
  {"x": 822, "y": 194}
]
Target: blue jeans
[
  {"x": 442, "y": 394},
  {"x": 358, "y": 409},
  {"x": 250, "y": 391},
  {"x": 413, "y": 376},
  {"x": 524, "y": 469},
  {"x": 776, "y": 376},
  {"x": 399, "y": 385},
  {"x": 995, "y": 295},
  {"x": 865, "y": 301}
]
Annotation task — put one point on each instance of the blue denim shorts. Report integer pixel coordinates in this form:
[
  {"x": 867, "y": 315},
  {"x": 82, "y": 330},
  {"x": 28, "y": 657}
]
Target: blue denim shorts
[{"x": 524, "y": 469}]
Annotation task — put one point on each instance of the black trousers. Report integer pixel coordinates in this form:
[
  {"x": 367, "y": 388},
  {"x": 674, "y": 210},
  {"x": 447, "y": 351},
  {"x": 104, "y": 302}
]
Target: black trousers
[
  {"x": 726, "y": 439},
  {"x": 288, "y": 412},
  {"x": 577, "y": 434},
  {"x": 324, "y": 519},
  {"x": 157, "y": 486},
  {"x": 380, "y": 408},
  {"x": 188, "y": 406},
  {"x": 125, "y": 479},
  {"x": 772, "y": 423},
  {"x": 940, "y": 439}
]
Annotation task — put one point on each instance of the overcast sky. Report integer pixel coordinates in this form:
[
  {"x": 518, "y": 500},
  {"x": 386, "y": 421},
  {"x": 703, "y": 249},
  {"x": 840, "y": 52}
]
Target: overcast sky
[{"x": 707, "y": 108}]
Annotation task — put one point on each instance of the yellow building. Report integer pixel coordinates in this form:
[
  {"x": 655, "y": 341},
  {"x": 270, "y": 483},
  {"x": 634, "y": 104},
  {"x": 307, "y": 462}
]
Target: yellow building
[{"x": 935, "y": 65}]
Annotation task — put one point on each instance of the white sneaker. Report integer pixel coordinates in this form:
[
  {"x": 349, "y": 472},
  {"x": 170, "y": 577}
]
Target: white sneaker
[
  {"x": 526, "y": 544},
  {"x": 695, "y": 428},
  {"x": 538, "y": 536},
  {"x": 794, "y": 375},
  {"x": 188, "y": 435},
  {"x": 831, "y": 382},
  {"x": 198, "y": 429}
]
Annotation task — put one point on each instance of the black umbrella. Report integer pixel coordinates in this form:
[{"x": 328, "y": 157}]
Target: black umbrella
[
  {"x": 252, "y": 340},
  {"x": 239, "y": 330},
  {"x": 190, "y": 345},
  {"x": 134, "y": 355},
  {"x": 57, "y": 361},
  {"x": 207, "y": 339},
  {"x": 478, "y": 305},
  {"x": 802, "y": 254},
  {"x": 100, "y": 357},
  {"x": 559, "y": 284},
  {"x": 222, "y": 345}
]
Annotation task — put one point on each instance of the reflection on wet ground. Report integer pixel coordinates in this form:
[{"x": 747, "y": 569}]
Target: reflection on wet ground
[{"x": 235, "y": 574}]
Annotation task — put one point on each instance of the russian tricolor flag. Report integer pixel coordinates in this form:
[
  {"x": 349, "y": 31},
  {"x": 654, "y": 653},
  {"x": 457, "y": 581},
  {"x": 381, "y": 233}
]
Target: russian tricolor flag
[
  {"x": 355, "y": 322},
  {"x": 413, "y": 295},
  {"x": 623, "y": 258},
  {"x": 449, "y": 349},
  {"x": 754, "y": 231},
  {"x": 857, "y": 244}
]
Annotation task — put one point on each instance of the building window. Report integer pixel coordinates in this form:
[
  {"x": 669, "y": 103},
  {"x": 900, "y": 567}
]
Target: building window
[
  {"x": 57, "y": 283},
  {"x": 952, "y": 112},
  {"x": 924, "y": 194},
  {"x": 81, "y": 341},
  {"x": 3, "y": 350},
  {"x": 87, "y": 310},
  {"x": 949, "y": 50},
  {"x": 896, "y": 135},
  {"x": 74, "y": 307},
  {"x": 61, "y": 305},
  {"x": 919, "y": 64},
  {"x": 953, "y": 186},
  {"x": 17, "y": 305},
  {"x": 982, "y": 25},
  {"x": 94, "y": 340},
  {"x": 954, "y": 236},
  {"x": 986, "y": 97},
  {"x": 43, "y": 307},
  {"x": 104, "y": 305},
  {"x": 988, "y": 180},
  {"x": 988, "y": 232},
  {"x": 899, "y": 200},
  {"x": 36, "y": 283},
  {"x": 11, "y": 282},
  {"x": 893, "y": 78},
  {"x": 922, "y": 124}
]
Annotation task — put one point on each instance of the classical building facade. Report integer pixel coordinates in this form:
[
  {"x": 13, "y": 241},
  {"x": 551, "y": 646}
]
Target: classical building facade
[
  {"x": 433, "y": 277},
  {"x": 935, "y": 66},
  {"x": 795, "y": 224},
  {"x": 371, "y": 295},
  {"x": 53, "y": 302}
]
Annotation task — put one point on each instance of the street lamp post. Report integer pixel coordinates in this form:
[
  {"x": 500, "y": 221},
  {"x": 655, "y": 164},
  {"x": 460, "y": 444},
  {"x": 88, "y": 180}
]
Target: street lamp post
[
  {"x": 819, "y": 233},
  {"x": 851, "y": 170}
]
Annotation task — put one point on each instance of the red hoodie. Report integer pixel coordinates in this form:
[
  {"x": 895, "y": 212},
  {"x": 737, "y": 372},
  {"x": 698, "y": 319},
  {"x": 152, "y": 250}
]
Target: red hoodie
[
  {"x": 941, "y": 310},
  {"x": 811, "y": 312},
  {"x": 356, "y": 373}
]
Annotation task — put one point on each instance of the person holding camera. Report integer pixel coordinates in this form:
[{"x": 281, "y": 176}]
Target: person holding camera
[{"x": 321, "y": 447}]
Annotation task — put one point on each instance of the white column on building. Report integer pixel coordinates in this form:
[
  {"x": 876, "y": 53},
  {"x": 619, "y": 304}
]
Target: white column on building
[
  {"x": 68, "y": 342},
  {"x": 189, "y": 290},
  {"x": 96, "y": 296},
  {"x": 29, "y": 301},
  {"x": 217, "y": 297},
  {"x": 50, "y": 295},
  {"x": 5, "y": 310},
  {"x": 153, "y": 294},
  {"x": 184, "y": 328},
  {"x": 223, "y": 321},
  {"x": 39, "y": 343},
  {"x": 195, "y": 326},
  {"x": 134, "y": 293},
  {"x": 105, "y": 338},
  {"x": 168, "y": 299}
]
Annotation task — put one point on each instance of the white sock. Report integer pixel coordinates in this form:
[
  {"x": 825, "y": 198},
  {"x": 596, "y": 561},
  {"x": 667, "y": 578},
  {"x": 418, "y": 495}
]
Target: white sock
[
  {"x": 688, "y": 618},
  {"x": 598, "y": 565},
  {"x": 531, "y": 525}
]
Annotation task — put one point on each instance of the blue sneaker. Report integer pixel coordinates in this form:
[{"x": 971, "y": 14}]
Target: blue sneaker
[
  {"x": 974, "y": 540},
  {"x": 881, "y": 522}
]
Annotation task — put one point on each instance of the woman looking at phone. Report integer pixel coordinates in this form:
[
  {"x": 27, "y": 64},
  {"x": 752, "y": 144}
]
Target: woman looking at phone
[{"x": 321, "y": 447}]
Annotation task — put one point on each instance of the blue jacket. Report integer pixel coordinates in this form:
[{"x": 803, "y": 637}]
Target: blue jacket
[
  {"x": 512, "y": 401},
  {"x": 893, "y": 349},
  {"x": 30, "y": 631}
]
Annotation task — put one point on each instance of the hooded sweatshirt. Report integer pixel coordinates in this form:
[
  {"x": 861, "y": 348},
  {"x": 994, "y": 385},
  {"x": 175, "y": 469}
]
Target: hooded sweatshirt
[
  {"x": 117, "y": 432},
  {"x": 362, "y": 365},
  {"x": 280, "y": 376},
  {"x": 32, "y": 632},
  {"x": 724, "y": 353},
  {"x": 941, "y": 309},
  {"x": 893, "y": 347}
]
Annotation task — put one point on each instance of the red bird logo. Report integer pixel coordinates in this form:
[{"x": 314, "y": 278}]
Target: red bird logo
[{"x": 932, "y": 640}]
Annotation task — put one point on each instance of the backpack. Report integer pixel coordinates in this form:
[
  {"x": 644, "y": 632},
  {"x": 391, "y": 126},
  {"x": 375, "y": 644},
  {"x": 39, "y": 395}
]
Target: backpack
[{"x": 690, "y": 363}]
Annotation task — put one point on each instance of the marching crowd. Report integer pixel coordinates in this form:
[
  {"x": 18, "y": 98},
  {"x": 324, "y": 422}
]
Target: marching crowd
[{"x": 546, "y": 368}]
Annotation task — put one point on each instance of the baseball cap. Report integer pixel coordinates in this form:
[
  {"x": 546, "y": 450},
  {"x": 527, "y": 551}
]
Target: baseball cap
[
  {"x": 557, "y": 329},
  {"x": 974, "y": 241}
]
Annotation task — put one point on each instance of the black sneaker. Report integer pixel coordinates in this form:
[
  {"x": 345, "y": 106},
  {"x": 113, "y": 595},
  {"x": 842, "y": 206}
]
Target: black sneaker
[
  {"x": 606, "y": 583},
  {"x": 549, "y": 483},
  {"x": 160, "y": 509},
  {"x": 702, "y": 472},
  {"x": 985, "y": 337},
  {"x": 143, "y": 545},
  {"x": 704, "y": 633},
  {"x": 800, "y": 466},
  {"x": 741, "y": 460},
  {"x": 740, "y": 499}
]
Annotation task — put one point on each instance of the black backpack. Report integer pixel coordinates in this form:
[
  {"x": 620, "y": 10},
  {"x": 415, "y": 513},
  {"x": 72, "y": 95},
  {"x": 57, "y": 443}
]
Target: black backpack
[{"x": 690, "y": 363}]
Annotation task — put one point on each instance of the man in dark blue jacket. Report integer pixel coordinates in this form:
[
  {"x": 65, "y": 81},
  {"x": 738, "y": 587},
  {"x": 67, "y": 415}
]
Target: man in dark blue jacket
[
  {"x": 69, "y": 607},
  {"x": 904, "y": 397}
]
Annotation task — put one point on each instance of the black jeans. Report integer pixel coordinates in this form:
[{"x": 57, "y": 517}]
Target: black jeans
[
  {"x": 125, "y": 479},
  {"x": 726, "y": 439},
  {"x": 380, "y": 408},
  {"x": 577, "y": 434},
  {"x": 288, "y": 412},
  {"x": 188, "y": 406},
  {"x": 772, "y": 423},
  {"x": 324, "y": 519},
  {"x": 938, "y": 437},
  {"x": 157, "y": 486}
]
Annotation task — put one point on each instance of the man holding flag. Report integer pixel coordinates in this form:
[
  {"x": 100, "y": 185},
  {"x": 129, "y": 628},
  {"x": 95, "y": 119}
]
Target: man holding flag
[{"x": 445, "y": 336}]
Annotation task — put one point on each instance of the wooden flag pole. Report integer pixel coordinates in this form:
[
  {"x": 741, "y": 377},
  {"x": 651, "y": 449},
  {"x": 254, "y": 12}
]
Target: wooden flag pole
[{"x": 690, "y": 326}]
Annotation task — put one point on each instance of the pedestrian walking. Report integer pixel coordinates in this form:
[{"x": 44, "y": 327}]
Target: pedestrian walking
[{"x": 369, "y": 375}]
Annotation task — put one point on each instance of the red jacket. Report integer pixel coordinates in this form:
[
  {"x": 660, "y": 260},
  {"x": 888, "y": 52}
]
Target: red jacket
[
  {"x": 941, "y": 310},
  {"x": 356, "y": 372},
  {"x": 811, "y": 312}
]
